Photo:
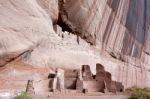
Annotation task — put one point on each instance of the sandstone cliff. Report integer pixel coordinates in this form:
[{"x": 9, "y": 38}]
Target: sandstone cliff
[{"x": 114, "y": 33}]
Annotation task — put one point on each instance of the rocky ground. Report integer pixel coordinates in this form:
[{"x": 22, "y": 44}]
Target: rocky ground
[{"x": 114, "y": 33}]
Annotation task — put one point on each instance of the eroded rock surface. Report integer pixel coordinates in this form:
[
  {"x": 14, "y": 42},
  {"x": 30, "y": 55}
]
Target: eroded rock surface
[{"x": 114, "y": 33}]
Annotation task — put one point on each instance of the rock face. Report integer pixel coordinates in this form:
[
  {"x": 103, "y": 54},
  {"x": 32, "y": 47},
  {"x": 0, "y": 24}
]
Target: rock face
[
  {"x": 114, "y": 33},
  {"x": 120, "y": 26},
  {"x": 23, "y": 26}
]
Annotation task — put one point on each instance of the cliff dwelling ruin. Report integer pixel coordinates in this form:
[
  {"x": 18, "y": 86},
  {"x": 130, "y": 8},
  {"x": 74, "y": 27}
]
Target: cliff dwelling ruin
[
  {"x": 74, "y": 46},
  {"x": 80, "y": 81}
]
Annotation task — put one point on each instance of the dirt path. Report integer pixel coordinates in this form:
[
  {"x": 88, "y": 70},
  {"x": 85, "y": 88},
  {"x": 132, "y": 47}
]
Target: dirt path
[{"x": 86, "y": 97}]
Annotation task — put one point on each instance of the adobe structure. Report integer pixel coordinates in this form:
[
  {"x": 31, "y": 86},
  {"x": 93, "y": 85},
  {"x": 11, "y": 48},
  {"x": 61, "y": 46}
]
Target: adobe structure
[
  {"x": 48, "y": 34},
  {"x": 84, "y": 81}
]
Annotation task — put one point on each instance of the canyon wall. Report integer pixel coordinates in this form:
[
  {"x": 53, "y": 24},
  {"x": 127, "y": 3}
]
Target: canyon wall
[
  {"x": 71, "y": 33},
  {"x": 121, "y": 27}
]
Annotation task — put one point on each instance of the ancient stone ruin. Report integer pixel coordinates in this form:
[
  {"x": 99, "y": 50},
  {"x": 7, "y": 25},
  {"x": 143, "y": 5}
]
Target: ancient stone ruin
[
  {"x": 101, "y": 82},
  {"x": 84, "y": 81},
  {"x": 30, "y": 88},
  {"x": 39, "y": 35},
  {"x": 57, "y": 82}
]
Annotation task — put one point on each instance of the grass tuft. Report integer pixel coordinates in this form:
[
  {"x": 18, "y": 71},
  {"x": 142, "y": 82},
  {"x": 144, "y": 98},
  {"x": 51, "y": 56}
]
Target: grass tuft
[
  {"x": 23, "y": 95},
  {"x": 139, "y": 93}
]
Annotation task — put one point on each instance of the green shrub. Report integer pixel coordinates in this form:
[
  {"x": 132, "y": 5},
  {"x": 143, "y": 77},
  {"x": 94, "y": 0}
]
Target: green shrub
[
  {"x": 138, "y": 93},
  {"x": 23, "y": 95}
]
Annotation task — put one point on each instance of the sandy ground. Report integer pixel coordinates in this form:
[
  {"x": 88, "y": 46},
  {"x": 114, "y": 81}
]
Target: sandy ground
[
  {"x": 74, "y": 95},
  {"x": 85, "y": 97}
]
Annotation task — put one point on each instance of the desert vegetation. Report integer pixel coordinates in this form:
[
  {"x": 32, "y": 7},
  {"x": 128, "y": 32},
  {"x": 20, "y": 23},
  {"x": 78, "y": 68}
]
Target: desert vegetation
[
  {"x": 23, "y": 95},
  {"x": 138, "y": 93}
]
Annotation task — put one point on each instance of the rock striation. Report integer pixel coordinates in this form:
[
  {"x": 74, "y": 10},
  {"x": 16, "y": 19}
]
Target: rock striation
[
  {"x": 120, "y": 27},
  {"x": 70, "y": 33}
]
